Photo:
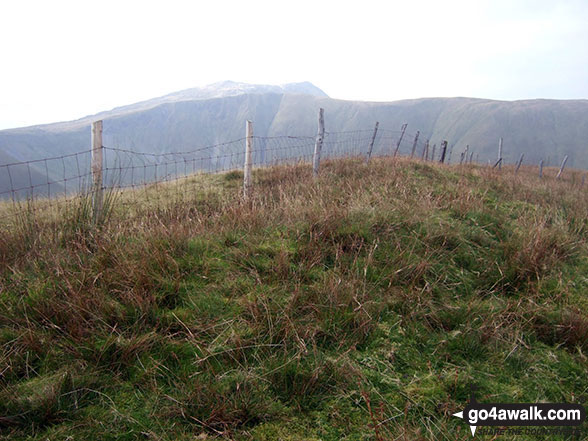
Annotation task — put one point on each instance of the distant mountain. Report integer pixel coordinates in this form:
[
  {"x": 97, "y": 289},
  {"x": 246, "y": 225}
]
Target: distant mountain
[
  {"x": 221, "y": 89},
  {"x": 185, "y": 120}
]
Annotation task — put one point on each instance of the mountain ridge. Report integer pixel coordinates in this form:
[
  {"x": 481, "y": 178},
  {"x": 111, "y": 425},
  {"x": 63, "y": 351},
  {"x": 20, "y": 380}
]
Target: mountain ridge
[
  {"x": 542, "y": 129},
  {"x": 211, "y": 91}
]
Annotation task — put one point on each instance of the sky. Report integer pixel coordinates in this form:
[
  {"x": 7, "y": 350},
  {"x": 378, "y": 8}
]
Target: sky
[{"x": 62, "y": 60}]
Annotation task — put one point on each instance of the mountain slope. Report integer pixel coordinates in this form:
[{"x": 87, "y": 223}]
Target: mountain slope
[{"x": 541, "y": 129}]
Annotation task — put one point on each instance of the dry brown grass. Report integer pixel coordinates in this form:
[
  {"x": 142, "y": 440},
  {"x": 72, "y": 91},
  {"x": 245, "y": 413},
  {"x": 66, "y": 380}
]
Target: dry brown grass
[{"x": 229, "y": 313}]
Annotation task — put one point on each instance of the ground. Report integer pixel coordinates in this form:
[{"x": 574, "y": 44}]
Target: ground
[{"x": 361, "y": 305}]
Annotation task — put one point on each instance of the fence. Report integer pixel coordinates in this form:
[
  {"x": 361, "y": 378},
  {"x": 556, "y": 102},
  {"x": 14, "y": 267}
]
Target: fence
[{"x": 89, "y": 174}]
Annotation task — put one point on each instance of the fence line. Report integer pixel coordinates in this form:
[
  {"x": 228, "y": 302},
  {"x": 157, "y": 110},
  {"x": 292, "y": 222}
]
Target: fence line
[{"x": 57, "y": 180}]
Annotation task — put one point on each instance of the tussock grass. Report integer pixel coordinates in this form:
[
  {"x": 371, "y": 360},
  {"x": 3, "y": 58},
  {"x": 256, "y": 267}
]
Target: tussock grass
[{"x": 359, "y": 305}]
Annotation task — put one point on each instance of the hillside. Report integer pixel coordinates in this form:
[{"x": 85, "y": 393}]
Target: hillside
[
  {"x": 360, "y": 305},
  {"x": 182, "y": 121}
]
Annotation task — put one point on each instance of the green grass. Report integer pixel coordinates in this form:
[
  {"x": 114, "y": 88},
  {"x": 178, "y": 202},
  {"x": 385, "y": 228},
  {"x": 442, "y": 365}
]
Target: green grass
[{"x": 359, "y": 306}]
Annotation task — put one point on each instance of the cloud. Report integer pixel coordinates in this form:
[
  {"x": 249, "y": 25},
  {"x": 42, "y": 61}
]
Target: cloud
[{"x": 73, "y": 58}]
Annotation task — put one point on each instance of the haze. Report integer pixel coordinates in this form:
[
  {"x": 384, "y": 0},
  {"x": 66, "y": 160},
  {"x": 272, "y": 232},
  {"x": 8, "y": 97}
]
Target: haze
[{"x": 62, "y": 60}]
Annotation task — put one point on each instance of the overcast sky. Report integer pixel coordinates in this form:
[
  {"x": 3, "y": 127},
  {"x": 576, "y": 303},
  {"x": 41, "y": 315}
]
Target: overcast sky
[{"x": 62, "y": 60}]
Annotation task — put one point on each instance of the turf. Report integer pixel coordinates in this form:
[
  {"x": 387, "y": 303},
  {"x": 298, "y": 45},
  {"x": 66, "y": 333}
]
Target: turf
[{"x": 357, "y": 306}]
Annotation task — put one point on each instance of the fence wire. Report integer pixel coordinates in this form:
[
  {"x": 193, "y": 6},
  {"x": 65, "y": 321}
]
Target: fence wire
[{"x": 42, "y": 184}]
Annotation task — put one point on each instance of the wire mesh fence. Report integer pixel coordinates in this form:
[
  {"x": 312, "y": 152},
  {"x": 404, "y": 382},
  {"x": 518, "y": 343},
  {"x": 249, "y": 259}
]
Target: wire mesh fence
[{"x": 56, "y": 182}]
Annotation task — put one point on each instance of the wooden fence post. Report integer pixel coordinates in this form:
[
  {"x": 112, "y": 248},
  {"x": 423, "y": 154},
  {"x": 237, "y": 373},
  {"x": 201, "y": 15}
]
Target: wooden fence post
[
  {"x": 369, "y": 155},
  {"x": 400, "y": 139},
  {"x": 541, "y": 168},
  {"x": 433, "y": 152},
  {"x": 443, "y": 151},
  {"x": 499, "y": 162},
  {"x": 425, "y": 155},
  {"x": 463, "y": 157},
  {"x": 465, "y": 154},
  {"x": 318, "y": 145},
  {"x": 561, "y": 169},
  {"x": 414, "y": 144},
  {"x": 248, "y": 162},
  {"x": 519, "y": 163},
  {"x": 97, "y": 168}
]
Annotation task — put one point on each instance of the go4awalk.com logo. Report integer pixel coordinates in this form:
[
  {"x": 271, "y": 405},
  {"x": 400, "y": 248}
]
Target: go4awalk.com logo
[{"x": 562, "y": 418}]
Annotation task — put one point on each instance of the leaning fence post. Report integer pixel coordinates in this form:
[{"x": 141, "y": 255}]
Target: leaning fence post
[
  {"x": 443, "y": 151},
  {"x": 97, "y": 167},
  {"x": 499, "y": 162},
  {"x": 561, "y": 169},
  {"x": 248, "y": 161},
  {"x": 414, "y": 144},
  {"x": 318, "y": 145},
  {"x": 541, "y": 168},
  {"x": 519, "y": 163},
  {"x": 400, "y": 139},
  {"x": 369, "y": 154}
]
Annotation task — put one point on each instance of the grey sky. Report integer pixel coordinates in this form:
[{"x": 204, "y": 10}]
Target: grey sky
[{"x": 65, "y": 59}]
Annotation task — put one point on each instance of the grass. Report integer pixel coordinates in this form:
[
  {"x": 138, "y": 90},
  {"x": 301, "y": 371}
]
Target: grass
[{"x": 359, "y": 306}]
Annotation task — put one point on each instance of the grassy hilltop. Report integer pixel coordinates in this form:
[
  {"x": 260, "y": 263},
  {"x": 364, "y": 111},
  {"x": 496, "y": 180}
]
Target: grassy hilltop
[{"x": 359, "y": 306}]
